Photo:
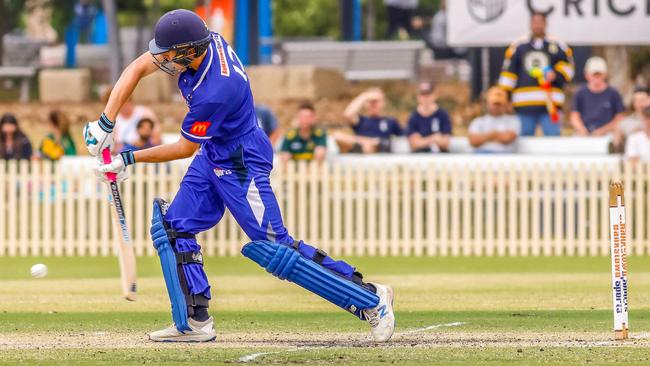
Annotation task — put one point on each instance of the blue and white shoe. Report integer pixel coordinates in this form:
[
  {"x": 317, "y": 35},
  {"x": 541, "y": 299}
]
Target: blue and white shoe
[
  {"x": 201, "y": 332},
  {"x": 381, "y": 317}
]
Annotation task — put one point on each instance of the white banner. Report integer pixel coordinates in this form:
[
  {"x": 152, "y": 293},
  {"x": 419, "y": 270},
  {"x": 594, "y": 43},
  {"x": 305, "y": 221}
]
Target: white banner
[{"x": 577, "y": 22}]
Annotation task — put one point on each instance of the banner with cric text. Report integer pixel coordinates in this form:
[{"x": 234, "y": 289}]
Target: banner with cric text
[{"x": 576, "y": 22}]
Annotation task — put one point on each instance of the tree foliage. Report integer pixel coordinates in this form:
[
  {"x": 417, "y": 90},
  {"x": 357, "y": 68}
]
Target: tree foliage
[
  {"x": 299, "y": 18},
  {"x": 320, "y": 18}
]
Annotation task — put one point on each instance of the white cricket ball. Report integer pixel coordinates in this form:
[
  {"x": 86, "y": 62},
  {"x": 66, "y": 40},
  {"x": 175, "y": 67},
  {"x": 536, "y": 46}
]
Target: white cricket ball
[{"x": 39, "y": 270}]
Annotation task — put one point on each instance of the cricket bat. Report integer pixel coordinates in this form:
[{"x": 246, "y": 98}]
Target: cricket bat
[{"x": 126, "y": 254}]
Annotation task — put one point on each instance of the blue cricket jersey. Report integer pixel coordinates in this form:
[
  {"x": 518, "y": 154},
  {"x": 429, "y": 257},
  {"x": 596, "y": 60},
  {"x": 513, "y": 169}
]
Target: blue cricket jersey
[{"x": 219, "y": 97}]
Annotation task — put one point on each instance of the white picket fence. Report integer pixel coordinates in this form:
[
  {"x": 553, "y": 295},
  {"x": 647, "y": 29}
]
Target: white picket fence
[{"x": 430, "y": 208}]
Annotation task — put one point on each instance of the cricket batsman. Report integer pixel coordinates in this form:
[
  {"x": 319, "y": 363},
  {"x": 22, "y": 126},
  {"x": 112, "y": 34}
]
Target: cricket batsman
[{"x": 231, "y": 169}]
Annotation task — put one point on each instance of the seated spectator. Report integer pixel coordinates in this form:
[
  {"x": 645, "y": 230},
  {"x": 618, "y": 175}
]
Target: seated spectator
[
  {"x": 637, "y": 148},
  {"x": 14, "y": 144},
  {"x": 495, "y": 132},
  {"x": 144, "y": 131},
  {"x": 126, "y": 125},
  {"x": 429, "y": 127},
  {"x": 372, "y": 131},
  {"x": 58, "y": 141},
  {"x": 634, "y": 121},
  {"x": 597, "y": 107},
  {"x": 267, "y": 122},
  {"x": 306, "y": 141}
]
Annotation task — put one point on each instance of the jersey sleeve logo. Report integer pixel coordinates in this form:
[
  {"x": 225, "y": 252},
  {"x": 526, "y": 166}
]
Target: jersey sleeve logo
[
  {"x": 225, "y": 70},
  {"x": 200, "y": 128}
]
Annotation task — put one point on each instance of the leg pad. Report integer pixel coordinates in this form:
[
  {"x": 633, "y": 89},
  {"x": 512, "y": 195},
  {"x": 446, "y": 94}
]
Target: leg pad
[
  {"x": 168, "y": 262},
  {"x": 287, "y": 263}
]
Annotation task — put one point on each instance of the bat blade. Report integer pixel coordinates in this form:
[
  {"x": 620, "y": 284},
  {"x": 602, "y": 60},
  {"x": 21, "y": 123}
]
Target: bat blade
[{"x": 126, "y": 253}]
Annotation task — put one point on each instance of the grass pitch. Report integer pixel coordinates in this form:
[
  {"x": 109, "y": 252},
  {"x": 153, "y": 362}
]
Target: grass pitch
[{"x": 478, "y": 311}]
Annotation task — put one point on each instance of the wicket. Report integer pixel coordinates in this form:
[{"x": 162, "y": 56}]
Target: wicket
[{"x": 619, "y": 259}]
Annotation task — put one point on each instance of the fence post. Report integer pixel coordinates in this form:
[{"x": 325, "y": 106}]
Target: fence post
[
  {"x": 431, "y": 227},
  {"x": 419, "y": 200},
  {"x": 501, "y": 210},
  {"x": 445, "y": 215},
  {"x": 467, "y": 197},
  {"x": 360, "y": 219},
  {"x": 582, "y": 210},
  {"x": 373, "y": 198},
  {"x": 513, "y": 194},
  {"x": 394, "y": 210},
  {"x": 12, "y": 225},
  {"x": 546, "y": 207},
  {"x": 383, "y": 210},
  {"x": 36, "y": 209},
  {"x": 57, "y": 189},
  {"x": 326, "y": 222},
  {"x": 68, "y": 195},
  {"x": 489, "y": 210},
  {"x": 593, "y": 208},
  {"x": 24, "y": 221}
]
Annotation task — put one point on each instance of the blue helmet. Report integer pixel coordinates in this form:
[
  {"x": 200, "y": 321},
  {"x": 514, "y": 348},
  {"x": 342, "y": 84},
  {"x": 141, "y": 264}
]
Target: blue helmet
[{"x": 182, "y": 31}]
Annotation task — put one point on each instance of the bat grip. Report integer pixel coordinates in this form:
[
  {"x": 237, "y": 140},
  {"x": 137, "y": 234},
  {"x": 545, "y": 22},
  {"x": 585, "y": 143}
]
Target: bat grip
[{"x": 106, "y": 157}]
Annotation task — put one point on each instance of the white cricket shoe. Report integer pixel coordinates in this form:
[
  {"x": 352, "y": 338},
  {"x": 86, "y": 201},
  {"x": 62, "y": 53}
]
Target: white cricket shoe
[
  {"x": 201, "y": 332},
  {"x": 381, "y": 317}
]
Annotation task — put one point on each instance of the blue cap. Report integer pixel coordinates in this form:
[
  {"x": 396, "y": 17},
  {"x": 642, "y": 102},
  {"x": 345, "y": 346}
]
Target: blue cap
[{"x": 178, "y": 27}]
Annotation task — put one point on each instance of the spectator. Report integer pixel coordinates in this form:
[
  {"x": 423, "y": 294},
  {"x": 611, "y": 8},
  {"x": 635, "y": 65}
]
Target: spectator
[
  {"x": 145, "y": 129},
  {"x": 528, "y": 60},
  {"x": 400, "y": 15},
  {"x": 437, "y": 37},
  {"x": 429, "y": 127},
  {"x": 58, "y": 141},
  {"x": 267, "y": 121},
  {"x": 495, "y": 132},
  {"x": 13, "y": 142},
  {"x": 634, "y": 121},
  {"x": 637, "y": 148},
  {"x": 127, "y": 122},
  {"x": 372, "y": 131},
  {"x": 306, "y": 141},
  {"x": 597, "y": 107}
]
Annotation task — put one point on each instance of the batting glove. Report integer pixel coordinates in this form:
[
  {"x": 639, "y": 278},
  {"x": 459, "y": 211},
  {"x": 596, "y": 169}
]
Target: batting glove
[
  {"x": 117, "y": 165},
  {"x": 98, "y": 135}
]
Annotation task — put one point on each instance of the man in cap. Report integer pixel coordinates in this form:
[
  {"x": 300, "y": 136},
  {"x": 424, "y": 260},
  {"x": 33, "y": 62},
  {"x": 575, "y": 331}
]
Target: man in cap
[
  {"x": 373, "y": 130},
  {"x": 429, "y": 126},
  {"x": 496, "y": 131},
  {"x": 597, "y": 107}
]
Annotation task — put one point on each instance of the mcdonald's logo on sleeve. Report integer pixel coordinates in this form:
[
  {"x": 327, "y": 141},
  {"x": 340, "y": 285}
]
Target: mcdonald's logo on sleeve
[{"x": 200, "y": 128}]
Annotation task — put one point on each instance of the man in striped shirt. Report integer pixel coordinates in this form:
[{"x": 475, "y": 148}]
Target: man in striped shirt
[{"x": 528, "y": 60}]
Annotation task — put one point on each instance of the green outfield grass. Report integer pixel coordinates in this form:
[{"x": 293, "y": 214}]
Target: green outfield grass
[{"x": 479, "y": 311}]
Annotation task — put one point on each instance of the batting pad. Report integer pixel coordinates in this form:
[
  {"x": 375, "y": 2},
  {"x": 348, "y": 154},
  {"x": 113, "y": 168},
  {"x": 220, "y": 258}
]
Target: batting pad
[
  {"x": 288, "y": 264},
  {"x": 170, "y": 273}
]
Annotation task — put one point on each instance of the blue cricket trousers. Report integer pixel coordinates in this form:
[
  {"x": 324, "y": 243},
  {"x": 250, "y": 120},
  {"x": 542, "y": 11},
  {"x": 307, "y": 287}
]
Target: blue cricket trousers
[{"x": 233, "y": 175}]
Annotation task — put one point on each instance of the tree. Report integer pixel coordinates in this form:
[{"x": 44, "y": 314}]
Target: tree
[{"x": 10, "y": 10}]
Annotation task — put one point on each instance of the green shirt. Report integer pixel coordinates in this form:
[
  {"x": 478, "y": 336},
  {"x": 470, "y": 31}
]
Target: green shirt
[
  {"x": 52, "y": 150},
  {"x": 303, "y": 149}
]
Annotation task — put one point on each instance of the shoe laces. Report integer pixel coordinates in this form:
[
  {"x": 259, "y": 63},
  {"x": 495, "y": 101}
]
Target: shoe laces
[{"x": 372, "y": 316}]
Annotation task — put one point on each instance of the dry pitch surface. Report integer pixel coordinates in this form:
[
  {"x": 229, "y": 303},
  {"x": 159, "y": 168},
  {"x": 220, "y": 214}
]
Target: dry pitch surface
[{"x": 488, "y": 311}]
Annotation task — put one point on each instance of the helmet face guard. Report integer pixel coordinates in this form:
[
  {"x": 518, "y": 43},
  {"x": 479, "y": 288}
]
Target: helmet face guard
[{"x": 181, "y": 59}]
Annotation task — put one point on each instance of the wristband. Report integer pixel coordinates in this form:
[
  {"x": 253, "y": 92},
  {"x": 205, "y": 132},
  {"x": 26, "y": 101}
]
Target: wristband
[
  {"x": 128, "y": 157},
  {"x": 105, "y": 124}
]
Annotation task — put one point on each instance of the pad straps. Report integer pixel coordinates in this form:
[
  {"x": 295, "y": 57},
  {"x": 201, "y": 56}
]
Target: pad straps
[
  {"x": 189, "y": 257},
  {"x": 319, "y": 256},
  {"x": 183, "y": 258},
  {"x": 173, "y": 234}
]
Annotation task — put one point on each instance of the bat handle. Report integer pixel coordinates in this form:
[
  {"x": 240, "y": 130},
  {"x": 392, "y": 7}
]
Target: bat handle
[{"x": 106, "y": 157}]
